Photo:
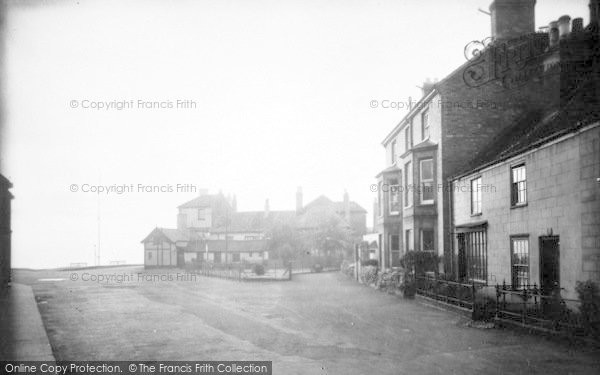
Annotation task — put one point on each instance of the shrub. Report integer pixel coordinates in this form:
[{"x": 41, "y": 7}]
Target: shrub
[
  {"x": 368, "y": 275},
  {"x": 317, "y": 267},
  {"x": 258, "y": 269},
  {"x": 408, "y": 286},
  {"x": 589, "y": 295},
  {"x": 420, "y": 261},
  {"x": 370, "y": 262}
]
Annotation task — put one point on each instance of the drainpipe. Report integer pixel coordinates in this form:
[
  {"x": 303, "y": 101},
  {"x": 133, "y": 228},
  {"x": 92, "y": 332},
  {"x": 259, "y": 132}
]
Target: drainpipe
[{"x": 451, "y": 223}]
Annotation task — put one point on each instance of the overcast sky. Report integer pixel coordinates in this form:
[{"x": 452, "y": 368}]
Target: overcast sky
[{"x": 282, "y": 91}]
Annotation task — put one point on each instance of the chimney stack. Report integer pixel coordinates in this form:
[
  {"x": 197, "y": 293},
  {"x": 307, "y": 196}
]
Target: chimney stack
[
  {"x": 512, "y": 18},
  {"x": 266, "y": 208},
  {"x": 577, "y": 25},
  {"x": 564, "y": 27},
  {"x": 299, "y": 204},
  {"x": 594, "y": 11},
  {"x": 427, "y": 87}
]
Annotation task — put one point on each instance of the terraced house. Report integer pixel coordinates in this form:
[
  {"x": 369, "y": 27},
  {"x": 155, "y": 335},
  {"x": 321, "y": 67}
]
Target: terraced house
[
  {"x": 540, "y": 226},
  {"x": 513, "y": 81}
]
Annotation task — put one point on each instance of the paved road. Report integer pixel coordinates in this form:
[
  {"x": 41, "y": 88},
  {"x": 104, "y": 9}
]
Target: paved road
[{"x": 315, "y": 324}]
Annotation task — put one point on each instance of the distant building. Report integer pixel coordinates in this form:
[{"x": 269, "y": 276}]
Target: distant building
[
  {"x": 5, "y": 231},
  {"x": 210, "y": 229}
]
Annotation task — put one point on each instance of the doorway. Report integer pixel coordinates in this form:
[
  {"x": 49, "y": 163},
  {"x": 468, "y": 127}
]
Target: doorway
[{"x": 549, "y": 264}]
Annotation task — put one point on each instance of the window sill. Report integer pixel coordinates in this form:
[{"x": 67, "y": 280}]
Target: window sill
[
  {"x": 476, "y": 214},
  {"x": 427, "y": 203},
  {"x": 521, "y": 205},
  {"x": 395, "y": 213}
]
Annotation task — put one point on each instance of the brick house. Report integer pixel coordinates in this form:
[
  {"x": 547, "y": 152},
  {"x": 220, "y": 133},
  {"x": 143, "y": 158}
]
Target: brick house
[
  {"x": 5, "y": 231},
  {"x": 456, "y": 119}
]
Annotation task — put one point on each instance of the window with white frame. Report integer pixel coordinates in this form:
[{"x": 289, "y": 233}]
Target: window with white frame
[
  {"x": 476, "y": 196},
  {"x": 426, "y": 177},
  {"x": 394, "y": 197},
  {"x": 408, "y": 136},
  {"x": 393, "y": 152},
  {"x": 518, "y": 191},
  {"x": 519, "y": 248},
  {"x": 425, "y": 125},
  {"x": 408, "y": 188}
]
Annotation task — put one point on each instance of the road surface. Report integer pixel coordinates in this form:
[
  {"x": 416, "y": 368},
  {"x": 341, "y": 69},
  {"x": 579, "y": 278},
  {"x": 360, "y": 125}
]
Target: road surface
[{"x": 315, "y": 324}]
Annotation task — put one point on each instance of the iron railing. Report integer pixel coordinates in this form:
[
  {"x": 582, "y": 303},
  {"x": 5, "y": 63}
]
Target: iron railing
[
  {"x": 461, "y": 295},
  {"x": 529, "y": 307}
]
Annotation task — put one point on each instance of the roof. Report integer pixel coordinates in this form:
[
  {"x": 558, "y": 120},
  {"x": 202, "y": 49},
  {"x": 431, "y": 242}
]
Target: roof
[
  {"x": 206, "y": 200},
  {"x": 172, "y": 235},
  {"x": 424, "y": 145},
  {"x": 237, "y": 246},
  {"x": 323, "y": 201},
  {"x": 533, "y": 129},
  {"x": 5, "y": 184},
  {"x": 391, "y": 169},
  {"x": 255, "y": 221},
  {"x": 411, "y": 113}
]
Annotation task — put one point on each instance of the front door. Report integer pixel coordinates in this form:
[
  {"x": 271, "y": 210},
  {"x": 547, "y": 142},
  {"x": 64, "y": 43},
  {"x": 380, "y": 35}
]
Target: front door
[{"x": 549, "y": 264}]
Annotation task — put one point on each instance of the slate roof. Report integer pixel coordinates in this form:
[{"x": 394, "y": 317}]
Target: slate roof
[
  {"x": 172, "y": 235},
  {"x": 206, "y": 200},
  {"x": 391, "y": 169},
  {"x": 337, "y": 206},
  {"x": 534, "y": 129},
  {"x": 256, "y": 221}
]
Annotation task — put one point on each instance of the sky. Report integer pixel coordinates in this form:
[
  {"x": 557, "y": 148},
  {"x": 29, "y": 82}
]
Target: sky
[{"x": 252, "y": 98}]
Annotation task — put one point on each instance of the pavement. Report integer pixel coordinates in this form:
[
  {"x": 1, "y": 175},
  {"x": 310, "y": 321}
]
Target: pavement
[
  {"x": 315, "y": 324},
  {"x": 22, "y": 332}
]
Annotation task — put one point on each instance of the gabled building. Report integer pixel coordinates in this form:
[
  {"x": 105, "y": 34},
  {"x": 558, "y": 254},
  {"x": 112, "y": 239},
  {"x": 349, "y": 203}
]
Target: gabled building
[
  {"x": 510, "y": 81},
  {"x": 210, "y": 229},
  {"x": 5, "y": 231}
]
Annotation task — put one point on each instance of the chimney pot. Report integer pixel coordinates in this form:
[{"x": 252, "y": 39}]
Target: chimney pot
[
  {"x": 577, "y": 25},
  {"x": 594, "y": 11},
  {"x": 564, "y": 26}
]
